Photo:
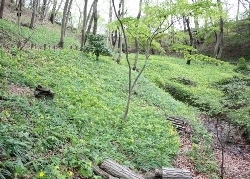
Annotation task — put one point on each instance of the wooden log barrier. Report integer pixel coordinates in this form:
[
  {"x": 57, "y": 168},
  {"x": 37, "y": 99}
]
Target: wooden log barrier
[
  {"x": 177, "y": 122},
  {"x": 173, "y": 173},
  {"x": 118, "y": 170}
]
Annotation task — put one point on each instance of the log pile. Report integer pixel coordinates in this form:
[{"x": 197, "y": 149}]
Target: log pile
[
  {"x": 180, "y": 124},
  {"x": 109, "y": 169}
]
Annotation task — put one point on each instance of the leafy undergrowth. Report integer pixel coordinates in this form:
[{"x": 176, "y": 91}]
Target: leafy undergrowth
[
  {"x": 60, "y": 138},
  {"x": 39, "y": 36},
  {"x": 193, "y": 83}
]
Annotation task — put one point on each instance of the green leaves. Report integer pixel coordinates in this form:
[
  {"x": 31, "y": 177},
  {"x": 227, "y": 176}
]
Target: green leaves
[{"x": 96, "y": 46}]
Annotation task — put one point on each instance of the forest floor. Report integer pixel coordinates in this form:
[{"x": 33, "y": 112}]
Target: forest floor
[{"x": 235, "y": 149}]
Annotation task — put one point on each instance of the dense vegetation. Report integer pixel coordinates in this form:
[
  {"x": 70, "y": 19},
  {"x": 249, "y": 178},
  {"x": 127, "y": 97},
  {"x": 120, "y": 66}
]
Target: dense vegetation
[{"x": 65, "y": 136}]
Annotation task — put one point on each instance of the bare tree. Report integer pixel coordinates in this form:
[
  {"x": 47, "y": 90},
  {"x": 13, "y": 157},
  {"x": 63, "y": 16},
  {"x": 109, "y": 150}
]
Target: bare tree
[
  {"x": 65, "y": 10},
  {"x": 80, "y": 19},
  {"x": 2, "y": 8}
]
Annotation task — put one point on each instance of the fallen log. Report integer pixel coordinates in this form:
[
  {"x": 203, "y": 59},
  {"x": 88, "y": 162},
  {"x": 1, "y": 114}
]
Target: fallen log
[
  {"x": 118, "y": 170},
  {"x": 173, "y": 173},
  {"x": 41, "y": 92},
  {"x": 102, "y": 173}
]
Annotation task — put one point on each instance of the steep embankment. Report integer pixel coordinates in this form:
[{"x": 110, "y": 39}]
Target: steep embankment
[{"x": 82, "y": 124}]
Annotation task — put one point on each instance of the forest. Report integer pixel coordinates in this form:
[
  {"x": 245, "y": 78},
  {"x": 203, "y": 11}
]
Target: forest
[{"x": 143, "y": 89}]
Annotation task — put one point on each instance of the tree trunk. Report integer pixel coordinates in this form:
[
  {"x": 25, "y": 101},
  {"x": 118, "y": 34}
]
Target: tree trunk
[
  {"x": 219, "y": 42},
  {"x": 53, "y": 12},
  {"x": 219, "y": 38},
  {"x": 43, "y": 10},
  {"x": 190, "y": 37},
  {"x": 110, "y": 20},
  {"x": 68, "y": 16},
  {"x": 61, "y": 42},
  {"x": 95, "y": 17},
  {"x": 81, "y": 13},
  {"x": 33, "y": 17},
  {"x": 58, "y": 8},
  {"x": 136, "y": 39},
  {"x": 2, "y": 8},
  {"x": 19, "y": 10},
  {"x": 89, "y": 26},
  {"x": 121, "y": 14},
  {"x": 84, "y": 24}
]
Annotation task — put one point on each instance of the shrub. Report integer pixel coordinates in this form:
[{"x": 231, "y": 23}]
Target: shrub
[
  {"x": 96, "y": 46},
  {"x": 241, "y": 65}
]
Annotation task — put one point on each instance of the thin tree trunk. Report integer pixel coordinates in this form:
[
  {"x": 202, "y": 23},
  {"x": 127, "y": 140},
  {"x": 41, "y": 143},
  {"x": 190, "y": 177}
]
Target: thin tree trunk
[
  {"x": 121, "y": 14},
  {"x": 110, "y": 19},
  {"x": 84, "y": 24},
  {"x": 43, "y": 10},
  {"x": 89, "y": 26},
  {"x": 61, "y": 42},
  {"x": 33, "y": 17},
  {"x": 238, "y": 11},
  {"x": 68, "y": 15},
  {"x": 19, "y": 10},
  {"x": 219, "y": 39},
  {"x": 95, "y": 17},
  {"x": 2, "y": 8},
  {"x": 58, "y": 8},
  {"x": 53, "y": 12},
  {"x": 136, "y": 39},
  {"x": 190, "y": 37}
]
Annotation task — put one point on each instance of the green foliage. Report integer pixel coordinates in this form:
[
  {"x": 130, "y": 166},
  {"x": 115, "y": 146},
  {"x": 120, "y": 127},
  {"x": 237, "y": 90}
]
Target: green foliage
[
  {"x": 181, "y": 48},
  {"x": 241, "y": 65},
  {"x": 236, "y": 101},
  {"x": 83, "y": 122},
  {"x": 96, "y": 46},
  {"x": 203, "y": 58},
  {"x": 40, "y": 35}
]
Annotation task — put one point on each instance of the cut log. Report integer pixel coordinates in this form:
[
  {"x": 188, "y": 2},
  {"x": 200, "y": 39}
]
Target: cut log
[
  {"x": 102, "y": 173},
  {"x": 179, "y": 123},
  {"x": 118, "y": 170},
  {"x": 173, "y": 173},
  {"x": 41, "y": 92}
]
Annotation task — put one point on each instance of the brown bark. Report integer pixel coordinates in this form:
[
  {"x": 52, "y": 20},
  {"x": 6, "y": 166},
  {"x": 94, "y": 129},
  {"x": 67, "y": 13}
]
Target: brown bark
[
  {"x": 84, "y": 24},
  {"x": 68, "y": 15},
  {"x": 2, "y": 8},
  {"x": 33, "y": 17},
  {"x": 95, "y": 17},
  {"x": 61, "y": 42},
  {"x": 173, "y": 173},
  {"x": 190, "y": 37},
  {"x": 118, "y": 170},
  {"x": 53, "y": 12},
  {"x": 219, "y": 37},
  {"x": 121, "y": 14}
]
